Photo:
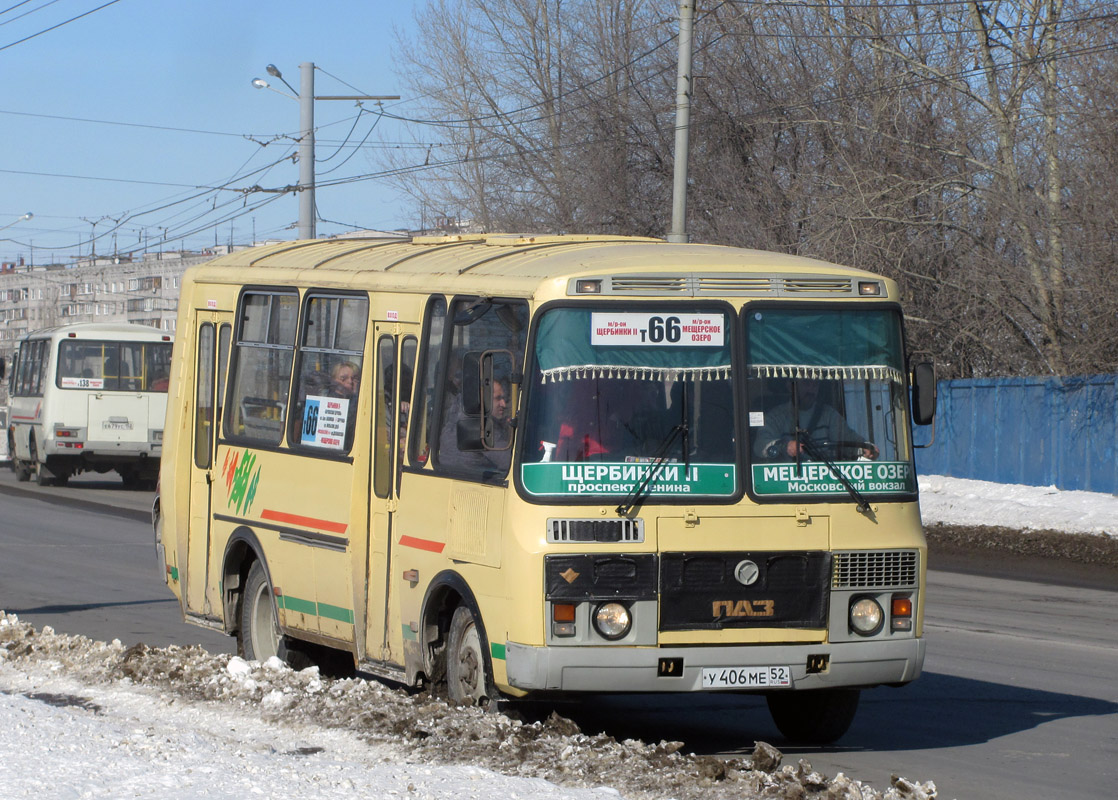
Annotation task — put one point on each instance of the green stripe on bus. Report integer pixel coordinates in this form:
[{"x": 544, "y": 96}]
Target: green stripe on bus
[
  {"x": 326, "y": 610},
  {"x": 335, "y": 612},
  {"x": 497, "y": 650},
  {"x": 409, "y": 634},
  {"x": 286, "y": 601},
  {"x": 174, "y": 573}
]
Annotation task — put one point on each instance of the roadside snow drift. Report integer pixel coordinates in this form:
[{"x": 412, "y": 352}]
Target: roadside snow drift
[{"x": 87, "y": 719}]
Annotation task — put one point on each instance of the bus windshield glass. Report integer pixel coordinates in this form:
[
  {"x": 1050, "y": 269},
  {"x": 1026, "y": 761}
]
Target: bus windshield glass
[
  {"x": 114, "y": 366},
  {"x": 619, "y": 397},
  {"x": 826, "y": 395}
]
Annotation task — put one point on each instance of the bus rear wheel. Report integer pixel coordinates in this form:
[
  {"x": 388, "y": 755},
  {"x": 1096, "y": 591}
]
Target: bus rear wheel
[
  {"x": 258, "y": 636},
  {"x": 818, "y": 716},
  {"x": 468, "y": 681}
]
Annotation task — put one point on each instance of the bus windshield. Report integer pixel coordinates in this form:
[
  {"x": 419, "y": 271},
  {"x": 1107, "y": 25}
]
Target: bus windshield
[
  {"x": 114, "y": 366},
  {"x": 619, "y": 396},
  {"x": 826, "y": 393}
]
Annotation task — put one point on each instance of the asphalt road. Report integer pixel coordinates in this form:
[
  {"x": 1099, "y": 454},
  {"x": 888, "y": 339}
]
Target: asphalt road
[
  {"x": 81, "y": 559},
  {"x": 1019, "y": 698}
]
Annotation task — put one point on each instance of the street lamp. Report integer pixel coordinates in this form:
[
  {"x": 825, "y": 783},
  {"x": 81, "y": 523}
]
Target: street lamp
[
  {"x": 26, "y": 216},
  {"x": 305, "y": 96}
]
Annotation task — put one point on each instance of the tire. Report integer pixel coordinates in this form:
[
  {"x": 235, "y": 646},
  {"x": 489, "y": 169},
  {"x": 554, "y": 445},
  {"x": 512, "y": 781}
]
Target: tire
[
  {"x": 33, "y": 456},
  {"x": 468, "y": 677},
  {"x": 23, "y": 472},
  {"x": 258, "y": 635},
  {"x": 819, "y": 716}
]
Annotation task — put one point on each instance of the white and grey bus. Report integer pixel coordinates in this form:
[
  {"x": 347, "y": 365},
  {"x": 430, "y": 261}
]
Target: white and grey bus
[{"x": 89, "y": 397}]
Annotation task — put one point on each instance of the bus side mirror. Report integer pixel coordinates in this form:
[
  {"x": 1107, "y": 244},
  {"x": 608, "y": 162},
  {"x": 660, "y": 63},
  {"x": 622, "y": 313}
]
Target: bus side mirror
[
  {"x": 481, "y": 371},
  {"x": 923, "y": 393}
]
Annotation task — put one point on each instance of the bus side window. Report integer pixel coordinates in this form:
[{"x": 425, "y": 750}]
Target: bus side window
[
  {"x": 481, "y": 325},
  {"x": 329, "y": 372},
  {"x": 423, "y": 419},
  {"x": 261, "y": 372},
  {"x": 383, "y": 419}
]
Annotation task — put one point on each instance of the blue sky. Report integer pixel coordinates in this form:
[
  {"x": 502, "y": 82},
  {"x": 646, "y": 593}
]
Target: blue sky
[{"x": 187, "y": 66}]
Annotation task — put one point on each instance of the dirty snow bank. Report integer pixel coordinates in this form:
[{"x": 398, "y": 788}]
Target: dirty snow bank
[{"x": 95, "y": 720}]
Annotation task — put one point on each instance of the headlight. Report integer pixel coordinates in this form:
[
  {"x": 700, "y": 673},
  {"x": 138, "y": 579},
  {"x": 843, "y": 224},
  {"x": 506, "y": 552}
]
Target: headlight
[
  {"x": 612, "y": 620},
  {"x": 866, "y": 616}
]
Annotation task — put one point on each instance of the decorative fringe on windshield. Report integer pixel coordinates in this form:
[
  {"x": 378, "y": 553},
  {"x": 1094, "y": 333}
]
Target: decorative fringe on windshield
[
  {"x": 871, "y": 372},
  {"x": 601, "y": 371}
]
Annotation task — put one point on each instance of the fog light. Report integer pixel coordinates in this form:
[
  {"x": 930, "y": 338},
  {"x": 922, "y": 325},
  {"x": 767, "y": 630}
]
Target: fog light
[
  {"x": 613, "y": 620},
  {"x": 866, "y": 616}
]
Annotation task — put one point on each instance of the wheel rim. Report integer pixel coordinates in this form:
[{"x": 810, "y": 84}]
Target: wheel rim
[
  {"x": 265, "y": 635},
  {"x": 470, "y": 665}
]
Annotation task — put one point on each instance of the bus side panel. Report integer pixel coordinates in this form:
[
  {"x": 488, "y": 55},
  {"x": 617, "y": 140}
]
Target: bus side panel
[
  {"x": 444, "y": 525},
  {"x": 300, "y": 510}
]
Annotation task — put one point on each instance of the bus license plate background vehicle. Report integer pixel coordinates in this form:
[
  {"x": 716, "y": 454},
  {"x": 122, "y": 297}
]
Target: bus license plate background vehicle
[{"x": 747, "y": 677}]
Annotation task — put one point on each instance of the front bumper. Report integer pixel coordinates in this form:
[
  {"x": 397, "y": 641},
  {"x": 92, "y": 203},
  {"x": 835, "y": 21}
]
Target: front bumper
[{"x": 635, "y": 669}]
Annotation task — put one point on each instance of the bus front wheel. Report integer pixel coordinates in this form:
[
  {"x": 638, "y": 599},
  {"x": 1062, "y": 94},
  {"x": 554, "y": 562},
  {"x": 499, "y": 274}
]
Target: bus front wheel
[
  {"x": 258, "y": 636},
  {"x": 468, "y": 681},
  {"x": 818, "y": 716}
]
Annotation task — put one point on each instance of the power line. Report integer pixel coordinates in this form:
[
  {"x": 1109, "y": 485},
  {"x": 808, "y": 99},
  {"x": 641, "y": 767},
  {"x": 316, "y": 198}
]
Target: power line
[
  {"x": 59, "y": 25},
  {"x": 25, "y": 13}
]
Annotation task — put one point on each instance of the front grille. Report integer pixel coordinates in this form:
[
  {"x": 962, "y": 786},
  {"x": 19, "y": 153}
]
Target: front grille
[
  {"x": 720, "y": 590},
  {"x": 876, "y": 569},
  {"x": 594, "y": 530}
]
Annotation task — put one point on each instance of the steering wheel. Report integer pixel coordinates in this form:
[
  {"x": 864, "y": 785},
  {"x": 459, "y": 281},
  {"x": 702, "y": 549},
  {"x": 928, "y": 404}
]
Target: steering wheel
[{"x": 842, "y": 449}]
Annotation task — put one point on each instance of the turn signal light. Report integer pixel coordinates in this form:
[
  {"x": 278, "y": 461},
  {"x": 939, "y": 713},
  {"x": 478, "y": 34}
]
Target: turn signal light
[
  {"x": 563, "y": 619},
  {"x": 902, "y": 613}
]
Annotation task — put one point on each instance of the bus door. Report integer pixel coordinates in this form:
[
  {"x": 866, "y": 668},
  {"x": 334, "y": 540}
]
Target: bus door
[
  {"x": 213, "y": 332},
  {"x": 396, "y": 346}
]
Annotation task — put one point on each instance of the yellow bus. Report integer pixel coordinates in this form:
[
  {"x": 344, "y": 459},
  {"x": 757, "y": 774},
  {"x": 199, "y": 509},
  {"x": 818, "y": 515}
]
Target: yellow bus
[{"x": 526, "y": 466}]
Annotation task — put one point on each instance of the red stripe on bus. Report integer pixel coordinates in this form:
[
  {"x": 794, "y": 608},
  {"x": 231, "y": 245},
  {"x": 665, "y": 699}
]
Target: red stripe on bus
[
  {"x": 306, "y": 522},
  {"x": 422, "y": 544}
]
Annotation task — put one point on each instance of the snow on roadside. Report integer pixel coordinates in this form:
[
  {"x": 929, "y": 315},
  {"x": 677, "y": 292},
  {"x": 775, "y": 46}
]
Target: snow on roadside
[
  {"x": 85, "y": 719},
  {"x": 957, "y": 501}
]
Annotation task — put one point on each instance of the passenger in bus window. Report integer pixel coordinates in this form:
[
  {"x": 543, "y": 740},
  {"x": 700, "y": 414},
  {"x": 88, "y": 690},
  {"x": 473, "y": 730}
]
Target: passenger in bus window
[
  {"x": 824, "y": 428},
  {"x": 344, "y": 379}
]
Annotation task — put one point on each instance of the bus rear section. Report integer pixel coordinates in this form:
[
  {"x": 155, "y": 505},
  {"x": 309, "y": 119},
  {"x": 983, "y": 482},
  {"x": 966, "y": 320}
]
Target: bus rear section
[{"x": 90, "y": 398}]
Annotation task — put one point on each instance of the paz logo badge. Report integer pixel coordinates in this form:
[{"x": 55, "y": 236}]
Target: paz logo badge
[{"x": 746, "y": 573}]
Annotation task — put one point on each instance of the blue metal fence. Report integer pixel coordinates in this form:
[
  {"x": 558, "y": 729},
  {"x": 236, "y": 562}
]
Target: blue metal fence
[{"x": 1038, "y": 431}]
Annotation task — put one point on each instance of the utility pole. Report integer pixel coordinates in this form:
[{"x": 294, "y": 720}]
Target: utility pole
[
  {"x": 678, "y": 232},
  {"x": 305, "y": 97},
  {"x": 306, "y": 151}
]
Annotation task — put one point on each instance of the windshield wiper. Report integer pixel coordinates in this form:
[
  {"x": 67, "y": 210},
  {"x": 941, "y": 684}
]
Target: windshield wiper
[
  {"x": 636, "y": 497},
  {"x": 807, "y": 444}
]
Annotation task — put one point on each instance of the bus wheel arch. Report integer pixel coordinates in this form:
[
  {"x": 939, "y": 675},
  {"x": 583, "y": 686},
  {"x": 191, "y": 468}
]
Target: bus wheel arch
[
  {"x": 456, "y": 655},
  {"x": 242, "y": 549}
]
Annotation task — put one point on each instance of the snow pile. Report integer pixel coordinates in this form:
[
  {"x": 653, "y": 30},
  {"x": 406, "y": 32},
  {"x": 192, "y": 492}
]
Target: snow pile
[
  {"x": 957, "y": 501},
  {"x": 94, "y": 719}
]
